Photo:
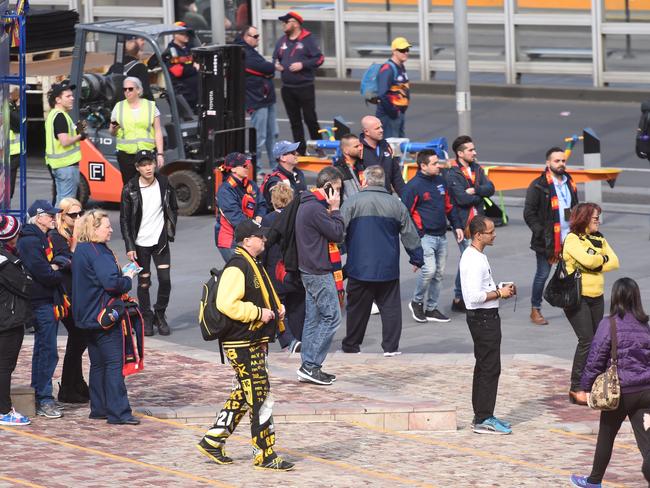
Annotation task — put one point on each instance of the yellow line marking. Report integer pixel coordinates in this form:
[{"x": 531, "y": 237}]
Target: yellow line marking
[
  {"x": 300, "y": 454},
  {"x": 593, "y": 438},
  {"x": 115, "y": 457},
  {"x": 21, "y": 482},
  {"x": 474, "y": 452}
]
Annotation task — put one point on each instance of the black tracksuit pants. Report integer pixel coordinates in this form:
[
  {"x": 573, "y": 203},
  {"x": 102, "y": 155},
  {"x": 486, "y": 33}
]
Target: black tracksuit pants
[
  {"x": 300, "y": 102},
  {"x": 72, "y": 373},
  {"x": 584, "y": 319},
  {"x": 360, "y": 295},
  {"x": 10, "y": 342}
]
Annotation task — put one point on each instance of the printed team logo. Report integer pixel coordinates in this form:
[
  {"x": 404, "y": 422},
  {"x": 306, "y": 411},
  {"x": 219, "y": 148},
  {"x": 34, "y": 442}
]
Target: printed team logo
[
  {"x": 441, "y": 189},
  {"x": 300, "y": 45},
  {"x": 426, "y": 196},
  {"x": 96, "y": 171}
]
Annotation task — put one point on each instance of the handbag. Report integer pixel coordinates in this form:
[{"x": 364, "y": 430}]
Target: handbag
[
  {"x": 564, "y": 289},
  {"x": 606, "y": 390}
]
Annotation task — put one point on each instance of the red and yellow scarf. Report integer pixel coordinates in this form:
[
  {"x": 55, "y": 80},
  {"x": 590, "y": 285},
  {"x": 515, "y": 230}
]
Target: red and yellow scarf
[
  {"x": 61, "y": 310},
  {"x": 555, "y": 207}
]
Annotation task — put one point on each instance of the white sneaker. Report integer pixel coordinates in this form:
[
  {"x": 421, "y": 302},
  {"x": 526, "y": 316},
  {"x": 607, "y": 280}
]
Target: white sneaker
[
  {"x": 392, "y": 354},
  {"x": 375, "y": 309}
]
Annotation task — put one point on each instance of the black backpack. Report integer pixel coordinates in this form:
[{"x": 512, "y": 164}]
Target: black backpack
[
  {"x": 15, "y": 290},
  {"x": 214, "y": 325},
  {"x": 643, "y": 132}
]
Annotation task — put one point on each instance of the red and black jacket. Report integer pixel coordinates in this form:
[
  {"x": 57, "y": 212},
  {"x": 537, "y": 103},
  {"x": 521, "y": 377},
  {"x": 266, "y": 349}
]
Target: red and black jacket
[
  {"x": 260, "y": 91},
  {"x": 304, "y": 49}
]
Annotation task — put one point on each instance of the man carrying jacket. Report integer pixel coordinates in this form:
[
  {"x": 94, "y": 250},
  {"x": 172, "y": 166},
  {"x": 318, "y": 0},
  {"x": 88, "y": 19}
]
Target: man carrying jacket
[
  {"x": 260, "y": 93},
  {"x": 468, "y": 185},
  {"x": 393, "y": 89},
  {"x": 427, "y": 200},
  {"x": 297, "y": 56},
  {"x": 148, "y": 213},
  {"x": 549, "y": 201},
  {"x": 376, "y": 151},
  {"x": 253, "y": 313}
]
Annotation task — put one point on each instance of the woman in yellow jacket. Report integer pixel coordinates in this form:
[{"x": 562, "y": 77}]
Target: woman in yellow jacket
[{"x": 586, "y": 249}]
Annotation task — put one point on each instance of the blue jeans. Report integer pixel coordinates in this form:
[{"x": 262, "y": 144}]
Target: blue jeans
[
  {"x": 462, "y": 245},
  {"x": 266, "y": 127},
  {"x": 392, "y": 127},
  {"x": 430, "y": 275},
  {"x": 539, "y": 281},
  {"x": 226, "y": 253},
  {"x": 66, "y": 181},
  {"x": 322, "y": 318},
  {"x": 108, "y": 396},
  {"x": 45, "y": 356}
]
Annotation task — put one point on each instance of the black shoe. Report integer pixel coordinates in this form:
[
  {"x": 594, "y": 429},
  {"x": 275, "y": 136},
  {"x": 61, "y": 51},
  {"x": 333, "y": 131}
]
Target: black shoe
[
  {"x": 315, "y": 376},
  {"x": 82, "y": 388},
  {"x": 70, "y": 395},
  {"x": 129, "y": 421},
  {"x": 148, "y": 324},
  {"x": 276, "y": 464},
  {"x": 161, "y": 323},
  {"x": 97, "y": 417},
  {"x": 217, "y": 454},
  {"x": 417, "y": 311},
  {"x": 436, "y": 316},
  {"x": 458, "y": 306},
  {"x": 329, "y": 375}
]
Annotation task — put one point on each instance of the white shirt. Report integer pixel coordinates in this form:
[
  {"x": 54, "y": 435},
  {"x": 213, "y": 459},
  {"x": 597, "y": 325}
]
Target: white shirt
[
  {"x": 476, "y": 280},
  {"x": 153, "y": 220},
  {"x": 564, "y": 202}
]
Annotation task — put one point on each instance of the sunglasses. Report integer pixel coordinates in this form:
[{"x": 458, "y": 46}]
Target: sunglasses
[
  {"x": 129, "y": 88},
  {"x": 405, "y": 50},
  {"x": 75, "y": 215},
  {"x": 256, "y": 36}
]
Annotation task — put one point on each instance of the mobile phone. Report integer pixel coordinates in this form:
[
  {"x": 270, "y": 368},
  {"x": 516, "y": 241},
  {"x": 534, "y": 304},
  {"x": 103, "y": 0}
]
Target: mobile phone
[
  {"x": 115, "y": 123},
  {"x": 131, "y": 266},
  {"x": 505, "y": 283},
  {"x": 329, "y": 190}
]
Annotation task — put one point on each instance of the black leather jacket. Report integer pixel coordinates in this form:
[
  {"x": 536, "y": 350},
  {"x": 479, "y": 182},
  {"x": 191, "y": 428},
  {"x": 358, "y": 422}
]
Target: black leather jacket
[{"x": 131, "y": 210}]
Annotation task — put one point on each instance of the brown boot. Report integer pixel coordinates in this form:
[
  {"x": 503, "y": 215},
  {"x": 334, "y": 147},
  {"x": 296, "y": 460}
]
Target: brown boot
[{"x": 536, "y": 317}]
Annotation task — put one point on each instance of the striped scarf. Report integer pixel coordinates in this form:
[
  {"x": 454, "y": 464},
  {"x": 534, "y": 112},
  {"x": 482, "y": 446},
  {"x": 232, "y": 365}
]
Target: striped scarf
[
  {"x": 471, "y": 181},
  {"x": 555, "y": 208},
  {"x": 62, "y": 309}
]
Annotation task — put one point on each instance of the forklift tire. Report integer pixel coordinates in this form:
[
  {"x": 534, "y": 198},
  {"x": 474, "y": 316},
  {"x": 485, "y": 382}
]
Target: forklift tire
[
  {"x": 191, "y": 191},
  {"x": 83, "y": 191}
]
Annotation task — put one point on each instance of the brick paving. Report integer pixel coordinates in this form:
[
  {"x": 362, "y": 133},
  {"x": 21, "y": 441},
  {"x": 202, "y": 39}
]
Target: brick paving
[{"x": 549, "y": 440}]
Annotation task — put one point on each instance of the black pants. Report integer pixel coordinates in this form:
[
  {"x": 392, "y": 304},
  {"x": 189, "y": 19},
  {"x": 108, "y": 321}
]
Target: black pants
[
  {"x": 584, "y": 319},
  {"x": 251, "y": 393},
  {"x": 297, "y": 100},
  {"x": 360, "y": 295},
  {"x": 10, "y": 342},
  {"x": 72, "y": 374},
  {"x": 127, "y": 166},
  {"x": 485, "y": 327},
  {"x": 634, "y": 406},
  {"x": 14, "y": 166},
  {"x": 161, "y": 259}
]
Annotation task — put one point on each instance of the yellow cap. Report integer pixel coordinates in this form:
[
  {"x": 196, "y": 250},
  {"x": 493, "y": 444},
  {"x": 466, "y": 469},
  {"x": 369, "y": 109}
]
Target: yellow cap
[{"x": 399, "y": 43}]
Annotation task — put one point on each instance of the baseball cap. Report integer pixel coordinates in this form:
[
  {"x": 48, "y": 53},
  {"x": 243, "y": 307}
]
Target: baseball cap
[
  {"x": 292, "y": 15},
  {"x": 144, "y": 155},
  {"x": 57, "y": 88},
  {"x": 249, "y": 228},
  {"x": 399, "y": 43},
  {"x": 235, "y": 159},
  {"x": 9, "y": 227},
  {"x": 42, "y": 207},
  {"x": 180, "y": 23},
  {"x": 284, "y": 147}
]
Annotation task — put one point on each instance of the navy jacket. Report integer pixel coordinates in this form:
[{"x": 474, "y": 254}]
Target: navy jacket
[
  {"x": 633, "y": 354},
  {"x": 393, "y": 90},
  {"x": 32, "y": 247},
  {"x": 96, "y": 278},
  {"x": 457, "y": 184},
  {"x": 304, "y": 49},
  {"x": 374, "y": 222},
  {"x": 382, "y": 156},
  {"x": 428, "y": 202},
  {"x": 260, "y": 91},
  {"x": 296, "y": 179},
  {"x": 315, "y": 229}
]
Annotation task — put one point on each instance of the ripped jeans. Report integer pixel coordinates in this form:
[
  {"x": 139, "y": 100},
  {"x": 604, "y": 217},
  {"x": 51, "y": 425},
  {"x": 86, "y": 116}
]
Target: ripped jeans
[{"x": 161, "y": 259}]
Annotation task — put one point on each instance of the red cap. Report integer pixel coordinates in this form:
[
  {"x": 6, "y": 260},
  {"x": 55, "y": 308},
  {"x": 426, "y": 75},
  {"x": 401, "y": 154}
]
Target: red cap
[{"x": 292, "y": 15}]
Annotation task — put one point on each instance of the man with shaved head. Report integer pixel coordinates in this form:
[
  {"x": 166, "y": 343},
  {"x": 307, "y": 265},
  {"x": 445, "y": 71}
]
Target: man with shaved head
[{"x": 376, "y": 151}]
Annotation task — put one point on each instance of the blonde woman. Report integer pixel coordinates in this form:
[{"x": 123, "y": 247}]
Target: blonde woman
[
  {"x": 96, "y": 278},
  {"x": 73, "y": 388}
]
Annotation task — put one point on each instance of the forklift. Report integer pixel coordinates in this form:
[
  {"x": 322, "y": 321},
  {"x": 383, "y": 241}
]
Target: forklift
[{"x": 195, "y": 143}]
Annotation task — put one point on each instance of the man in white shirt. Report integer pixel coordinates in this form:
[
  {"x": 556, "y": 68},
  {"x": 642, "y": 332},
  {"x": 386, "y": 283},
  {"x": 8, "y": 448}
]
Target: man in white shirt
[
  {"x": 481, "y": 296},
  {"x": 148, "y": 214}
]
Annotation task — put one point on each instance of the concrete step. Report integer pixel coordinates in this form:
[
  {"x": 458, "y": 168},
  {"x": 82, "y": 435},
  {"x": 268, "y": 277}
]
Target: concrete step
[{"x": 22, "y": 398}]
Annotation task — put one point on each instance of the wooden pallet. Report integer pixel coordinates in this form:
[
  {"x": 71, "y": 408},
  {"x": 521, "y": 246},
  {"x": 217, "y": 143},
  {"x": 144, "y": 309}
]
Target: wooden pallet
[{"x": 44, "y": 55}]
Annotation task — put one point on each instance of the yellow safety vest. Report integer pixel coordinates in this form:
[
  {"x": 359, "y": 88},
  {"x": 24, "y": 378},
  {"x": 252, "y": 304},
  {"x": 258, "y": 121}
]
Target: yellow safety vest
[
  {"x": 135, "y": 133},
  {"x": 56, "y": 154},
  {"x": 14, "y": 143}
]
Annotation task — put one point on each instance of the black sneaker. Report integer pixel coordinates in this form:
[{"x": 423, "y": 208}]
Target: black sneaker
[
  {"x": 148, "y": 324},
  {"x": 276, "y": 464},
  {"x": 436, "y": 316},
  {"x": 458, "y": 306},
  {"x": 315, "y": 376},
  {"x": 217, "y": 454},
  {"x": 417, "y": 311},
  {"x": 329, "y": 375},
  {"x": 160, "y": 321}
]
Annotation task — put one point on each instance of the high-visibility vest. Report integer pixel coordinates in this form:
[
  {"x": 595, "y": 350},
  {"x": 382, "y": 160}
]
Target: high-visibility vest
[
  {"x": 14, "y": 143},
  {"x": 56, "y": 154},
  {"x": 135, "y": 133}
]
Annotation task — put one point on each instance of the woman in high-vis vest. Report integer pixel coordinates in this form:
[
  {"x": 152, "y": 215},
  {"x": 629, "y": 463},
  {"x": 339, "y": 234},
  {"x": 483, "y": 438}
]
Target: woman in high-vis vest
[{"x": 135, "y": 122}]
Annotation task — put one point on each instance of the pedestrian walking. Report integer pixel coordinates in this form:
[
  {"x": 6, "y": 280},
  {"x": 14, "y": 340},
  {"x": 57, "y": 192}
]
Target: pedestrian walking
[
  {"x": 468, "y": 185},
  {"x": 633, "y": 368},
  {"x": 135, "y": 122},
  {"x": 286, "y": 171},
  {"x": 148, "y": 213},
  {"x": 260, "y": 94},
  {"x": 15, "y": 314},
  {"x": 297, "y": 56},
  {"x": 62, "y": 136},
  {"x": 377, "y": 151},
  {"x": 393, "y": 89},
  {"x": 350, "y": 165},
  {"x": 481, "y": 296},
  {"x": 374, "y": 222},
  {"x": 586, "y": 249},
  {"x": 428, "y": 201},
  {"x": 319, "y": 227},
  {"x": 180, "y": 63},
  {"x": 547, "y": 210},
  {"x": 254, "y": 313}
]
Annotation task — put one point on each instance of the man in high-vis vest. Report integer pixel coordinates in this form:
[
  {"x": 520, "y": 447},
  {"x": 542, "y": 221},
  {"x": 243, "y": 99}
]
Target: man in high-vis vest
[
  {"x": 14, "y": 144},
  {"x": 62, "y": 136}
]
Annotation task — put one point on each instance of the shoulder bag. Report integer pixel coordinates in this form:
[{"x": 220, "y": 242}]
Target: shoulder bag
[
  {"x": 564, "y": 289},
  {"x": 606, "y": 390}
]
